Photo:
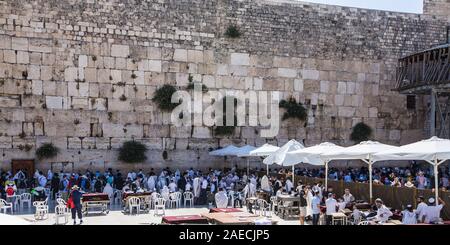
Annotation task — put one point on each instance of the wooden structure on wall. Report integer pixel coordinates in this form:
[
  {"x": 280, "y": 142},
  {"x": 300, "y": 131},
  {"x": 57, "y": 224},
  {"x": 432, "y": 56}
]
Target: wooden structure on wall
[{"x": 428, "y": 73}]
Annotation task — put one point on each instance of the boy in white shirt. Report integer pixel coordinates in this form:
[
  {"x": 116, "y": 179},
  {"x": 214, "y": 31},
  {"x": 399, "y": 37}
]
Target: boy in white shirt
[{"x": 331, "y": 205}]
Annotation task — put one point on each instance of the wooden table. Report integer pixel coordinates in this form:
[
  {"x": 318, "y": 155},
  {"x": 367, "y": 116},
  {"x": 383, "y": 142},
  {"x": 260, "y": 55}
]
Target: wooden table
[
  {"x": 338, "y": 217},
  {"x": 224, "y": 210},
  {"x": 184, "y": 219},
  {"x": 238, "y": 218},
  {"x": 289, "y": 209}
]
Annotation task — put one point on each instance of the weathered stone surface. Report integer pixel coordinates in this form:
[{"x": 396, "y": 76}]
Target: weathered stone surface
[{"x": 104, "y": 72}]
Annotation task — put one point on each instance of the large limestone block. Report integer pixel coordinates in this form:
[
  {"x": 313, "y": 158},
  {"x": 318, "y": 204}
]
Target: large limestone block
[
  {"x": 9, "y": 101},
  {"x": 120, "y": 50},
  {"x": 240, "y": 59},
  {"x": 5, "y": 42},
  {"x": 19, "y": 43},
  {"x": 180, "y": 55},
  {"x": 54, "y": 102},
  {"x": 70, "y": 74},
  {"x": 310, "y": 74},
  {"x": 287, "y": 72}
]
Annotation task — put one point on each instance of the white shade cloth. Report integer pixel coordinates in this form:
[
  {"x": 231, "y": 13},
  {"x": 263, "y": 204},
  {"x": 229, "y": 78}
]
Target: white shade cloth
[
  {"x": 429, "y": 150},
  {"x": 279, "y": 156},
  {"x": 244, "y": 151},
  {"x": 230, "y": 150},
  {"x": 313, "y": 154},
  {"x": 363, "y": 151},
  {"x": 264, "y": 150}
]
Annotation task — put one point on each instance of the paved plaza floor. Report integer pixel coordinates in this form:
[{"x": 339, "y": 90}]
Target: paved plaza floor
[{"x": 117, "y": 217}]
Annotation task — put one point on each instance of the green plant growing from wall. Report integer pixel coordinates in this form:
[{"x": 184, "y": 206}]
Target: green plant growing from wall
[
  {"x": 47, "y": 150},
  {"x": 163, "y": 98},
  {"x": 233, "y": 32},
  {"x": 293, "y": 110},
  {"x": 192, "y": 83},
  {"x": 132, "y": 152},
  {"x": 361, "y": 132}
]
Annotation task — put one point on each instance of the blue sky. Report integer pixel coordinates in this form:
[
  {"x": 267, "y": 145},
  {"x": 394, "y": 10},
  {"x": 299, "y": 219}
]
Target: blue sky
[{"x": 410, "y": 6}]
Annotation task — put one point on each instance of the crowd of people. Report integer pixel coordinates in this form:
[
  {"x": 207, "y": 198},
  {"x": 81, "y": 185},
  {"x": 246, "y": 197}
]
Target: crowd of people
[
  {"x": 413, "y": 176},
  {"x": 206, "y": 184}
]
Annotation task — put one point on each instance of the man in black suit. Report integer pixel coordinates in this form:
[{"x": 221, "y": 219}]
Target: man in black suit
[{"x": 182, "y": 182}]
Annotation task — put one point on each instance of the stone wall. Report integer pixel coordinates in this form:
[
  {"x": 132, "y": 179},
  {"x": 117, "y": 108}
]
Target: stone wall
[
  {"x": 437, "y": 9},
  {"x": 66, "y": 65}
]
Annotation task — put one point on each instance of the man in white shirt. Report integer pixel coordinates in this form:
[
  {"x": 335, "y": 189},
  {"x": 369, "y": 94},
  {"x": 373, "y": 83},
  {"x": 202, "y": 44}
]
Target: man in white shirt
[
  {"x": 421, "y": 206},
  {"x": 172, "y": 186},
  {"x": 348, "y": 197},
  {"x": 383, "y": 213},
  {"x": 289, "y": 185},
  {"x": 409, "y": 216},
  {"x": 331, "y": 205},
  {"x": 431, "y": 213}
]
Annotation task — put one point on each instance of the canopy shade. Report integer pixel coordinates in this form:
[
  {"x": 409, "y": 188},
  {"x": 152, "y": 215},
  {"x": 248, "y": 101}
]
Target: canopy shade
[
  {"x": 428, "y": 150},
  {"x": 264, "y": 150},
  {"x": 244, "y": 151},
  {"x": 230, "y": 150},
  {"x": 362, "y": 151},
  {"x": 279, "y": 156},
  {"x": 434, "y": 150},
  {"x": 312, "y": 155}
]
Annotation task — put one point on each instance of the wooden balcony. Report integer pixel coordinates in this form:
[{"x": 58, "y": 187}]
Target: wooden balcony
[{"x": 423, "y": 71}]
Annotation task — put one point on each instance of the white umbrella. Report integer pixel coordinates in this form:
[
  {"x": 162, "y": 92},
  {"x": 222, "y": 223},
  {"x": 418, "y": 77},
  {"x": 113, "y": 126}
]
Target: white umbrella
[
  {"x": 363, "y": 151},
  {"x": 279, "y": 156},
  {"x": 6, "y": 219},
  {"x": 434, "y": 150},
  {"x": 264, "y": 151},
  {"x": 244, "y": 151},
  {"x": 230, "y": 150},
  {"x": 313, "y": 155}
]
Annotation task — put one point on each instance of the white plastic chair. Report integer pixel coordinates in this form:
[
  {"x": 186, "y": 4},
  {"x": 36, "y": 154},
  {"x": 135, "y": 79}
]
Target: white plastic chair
[
  {"x": 14, "y": 200},
  {"x": 173, "y": 202},
  {"x": 5, "y": 206},
  {"x": 179, "y": 197},
  {"x": 155, "y": 196},
  {"x": 134, "y": 202},
  {"x": 274, "y": 203},
  {"x": 61, "y": 201},
  {"x": 188, "y": 197},
  {"x": 25, "y": 198},
  {"x": 41, "y": 209},
  {"x": 61, "y": 211},
  {"x": 263, "y": 207},
  {"x": 221, "y": 200},
  {"x": 160, "y": 204}
]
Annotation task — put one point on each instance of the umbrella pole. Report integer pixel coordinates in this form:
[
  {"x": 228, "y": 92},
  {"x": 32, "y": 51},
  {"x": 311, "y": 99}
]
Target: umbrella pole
[
  {"x": 326, "y": 175},
  {"x": 267, "y": 170},
  {"x": 370, "y": 180},
  {"x": 436, "y": 182},
  {"x": 293, "y": 175}
]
